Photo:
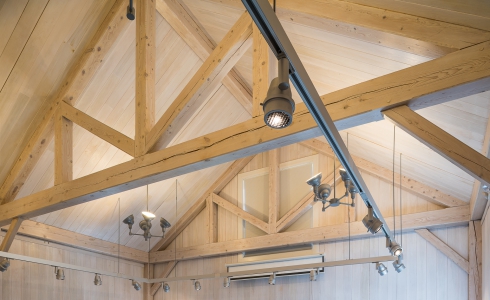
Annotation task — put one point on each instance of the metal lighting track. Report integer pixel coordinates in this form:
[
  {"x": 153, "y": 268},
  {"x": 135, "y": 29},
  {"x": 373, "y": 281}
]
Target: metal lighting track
[
  {"x": 273, "y": 32},
  {"x": 197, "y": 277}
]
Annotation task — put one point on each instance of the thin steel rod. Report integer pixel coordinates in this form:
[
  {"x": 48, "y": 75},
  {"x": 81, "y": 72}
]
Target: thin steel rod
[
  {"x": 273, "y": 32},
  {"x": 203, "y": 276}
]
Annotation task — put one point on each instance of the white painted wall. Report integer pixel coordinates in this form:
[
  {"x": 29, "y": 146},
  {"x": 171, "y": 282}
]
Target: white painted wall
[{"x": 486, "y": 259}]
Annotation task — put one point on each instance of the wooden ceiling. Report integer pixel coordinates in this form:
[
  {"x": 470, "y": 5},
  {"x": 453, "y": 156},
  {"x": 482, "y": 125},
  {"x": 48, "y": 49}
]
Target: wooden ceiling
[{"x": 42, "y": 39}]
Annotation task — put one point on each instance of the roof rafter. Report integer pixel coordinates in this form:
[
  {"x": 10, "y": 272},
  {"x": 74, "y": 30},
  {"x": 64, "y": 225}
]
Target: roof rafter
[
  {"x": 179, "y": 16},
  {"x": 453, "y": 76},
  {"x": 77, "y": 79},
  {"x": 203, "y": 84}
]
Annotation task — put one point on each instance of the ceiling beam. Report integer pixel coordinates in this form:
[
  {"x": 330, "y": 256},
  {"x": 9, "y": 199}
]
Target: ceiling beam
[
  {"x": 408, "y": 184},
  {"x": 427, "y": 29},
  {"x": 77, "y": 79},
  {"x": 240, "y": 213},
  {"x": 200, "y": 204},
  {"x": 179, "y": 16},
  {"x": 80, "y": 241},
  {"x": 455, "y": 75},
  {"x": 8, "y": 239},
  {"x": 478, "y": 200},
  {"x": 438, "y": 218},
  {"x": 460, "y": 154},
  {"x": 101, "y": 130},
  {"x": 444, "y": 248},
  {"x": 145, "y": 73},
  {"x": 203, "y": 84},
  {"x": 303, "y": 205}
]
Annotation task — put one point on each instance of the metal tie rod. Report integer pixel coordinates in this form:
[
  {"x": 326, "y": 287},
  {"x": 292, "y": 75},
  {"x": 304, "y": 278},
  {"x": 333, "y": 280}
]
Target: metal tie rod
[{"x": 273, "y": 32}]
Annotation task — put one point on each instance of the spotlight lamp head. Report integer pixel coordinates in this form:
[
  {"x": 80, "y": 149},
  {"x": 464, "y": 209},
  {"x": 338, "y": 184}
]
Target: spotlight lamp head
[
  {"x": 382, "y": 270},
  {"x": 272, "y": 279},
  {"x": 313, "y": 275},
  {"x": 279, "y": 105},
  {"x": 344, "y": 175},
  {"x": 398, "y": 264},
  {"x": 136, "y": 285},
  {"x": 315, "y": 181},
  {"x": 226, "y": 283},
  {"x": 164, "y": 224},
  {"x": 4, "y": 264},
  {"x": 166, "y": 287},
  {"x": 197, "y": 285},
  {"x": 394, "y": 248},
  {"x": 130, "y": 13},
  {"x": 60, "y": 274},
  {"x": 97, "y": 280},
  {"x": 148, "y": 216},
  {"x": 372, "y": 223},
  {"x": 129, "y": 221}
]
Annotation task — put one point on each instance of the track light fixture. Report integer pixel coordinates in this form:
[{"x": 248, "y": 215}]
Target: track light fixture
[
  {"x": 382, "y": 270},
  {"x": 60, "y": 275},
  {"x": 4, "y": 264},
  {"x": 398, "y": 264},
  {"x": 145, "y": 225},
  {"x": 323, "y": 190},
  {"x": 394, "y": 248},
  {"x": 197, "y": 285},
  {"x": 313, "y": 275},
  {"x": 166, "y": 287},
  {"x": 279, "y": 105},
  {"x": 372, "y": 223},
  {"x": 227, "y": 281},
  {"x": 97, "y": 280},
  {"x": 136, "y": 285},
  {"x": 130, "y": 12},
  {"x": 272, "y": 279}
]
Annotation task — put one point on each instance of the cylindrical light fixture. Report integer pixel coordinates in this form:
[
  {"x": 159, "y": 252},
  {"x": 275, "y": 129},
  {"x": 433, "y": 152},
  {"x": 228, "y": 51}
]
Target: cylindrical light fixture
[
  {"x": 136, "y": 285},
  {"x": 272, "y": 279},
  {"x": 4, "y": 264},
  {"x": 97, "y": 280},
  {"x": 395, "y": 248},
  {"x": 382, "y": 270},
  {"x": 372, "y": 223},
  {"x": 166, "y": 287},
  {"x": 60, "y": 275},
  {"x": 197, "y": 285},
  {"x": 279, "y": 105},
  {"x": 226, "y": 283},
  {"x": 398, "y": 264}
]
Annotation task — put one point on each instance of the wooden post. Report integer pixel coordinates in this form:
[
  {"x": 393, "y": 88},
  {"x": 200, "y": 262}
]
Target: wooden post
[
  {"x": 63, "y": 154},
  {"x": 212, "y": 219},
  {"x": 9, "y": 237},
  {"x": 274, "y": 188},
  {"x": 475, "y": 261},
  {"x": 145, "y": 73},
  {"x": 148, "y": 272}
]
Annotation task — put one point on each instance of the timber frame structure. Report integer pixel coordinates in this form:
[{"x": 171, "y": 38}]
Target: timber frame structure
[{"x": 462, "y": 68}]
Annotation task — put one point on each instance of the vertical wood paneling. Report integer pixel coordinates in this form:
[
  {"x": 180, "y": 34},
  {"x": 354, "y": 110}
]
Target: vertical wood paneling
[{"x": 486, "y": 259}]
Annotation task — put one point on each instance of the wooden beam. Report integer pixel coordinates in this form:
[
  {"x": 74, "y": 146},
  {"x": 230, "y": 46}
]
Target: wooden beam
[
  {"x": 212, "y": 219},
  {"x": 475, "y": 258},
  {"x": 199, "y": 205},
  {"x": 438, "y": 218},
  {"x": 274, "y": 188},
  {"x": 365, "y": 34},
  {"x": 240, "y": 213},
  {"x": 112, "y": 136},
  {"x": 302, "y": 206},
  {"x": 148, "y": 273},
  {"x": 179, "y": 16},
  {"x": 63, "y": 149},
  {"x": 410, "y": 25},
  {"x": 145, "y": 73},
  {"x": 203, "y": 84},
  {"x": 11, "y": 232},
  {"x": 478, "y": 200},
  {"x": 77, "y": 79},
  {"x": 458, "y": 74},
  {"x": 165, "y": 273},
  {"x": 261, "y": 71},
  {"x": 441, "y": 142},
  {"x": 424, "y": 9},
  {"x": 444, "y": 248},
  {"x": 408, "y": 184},
  {"x": 80, "y": 241}
]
